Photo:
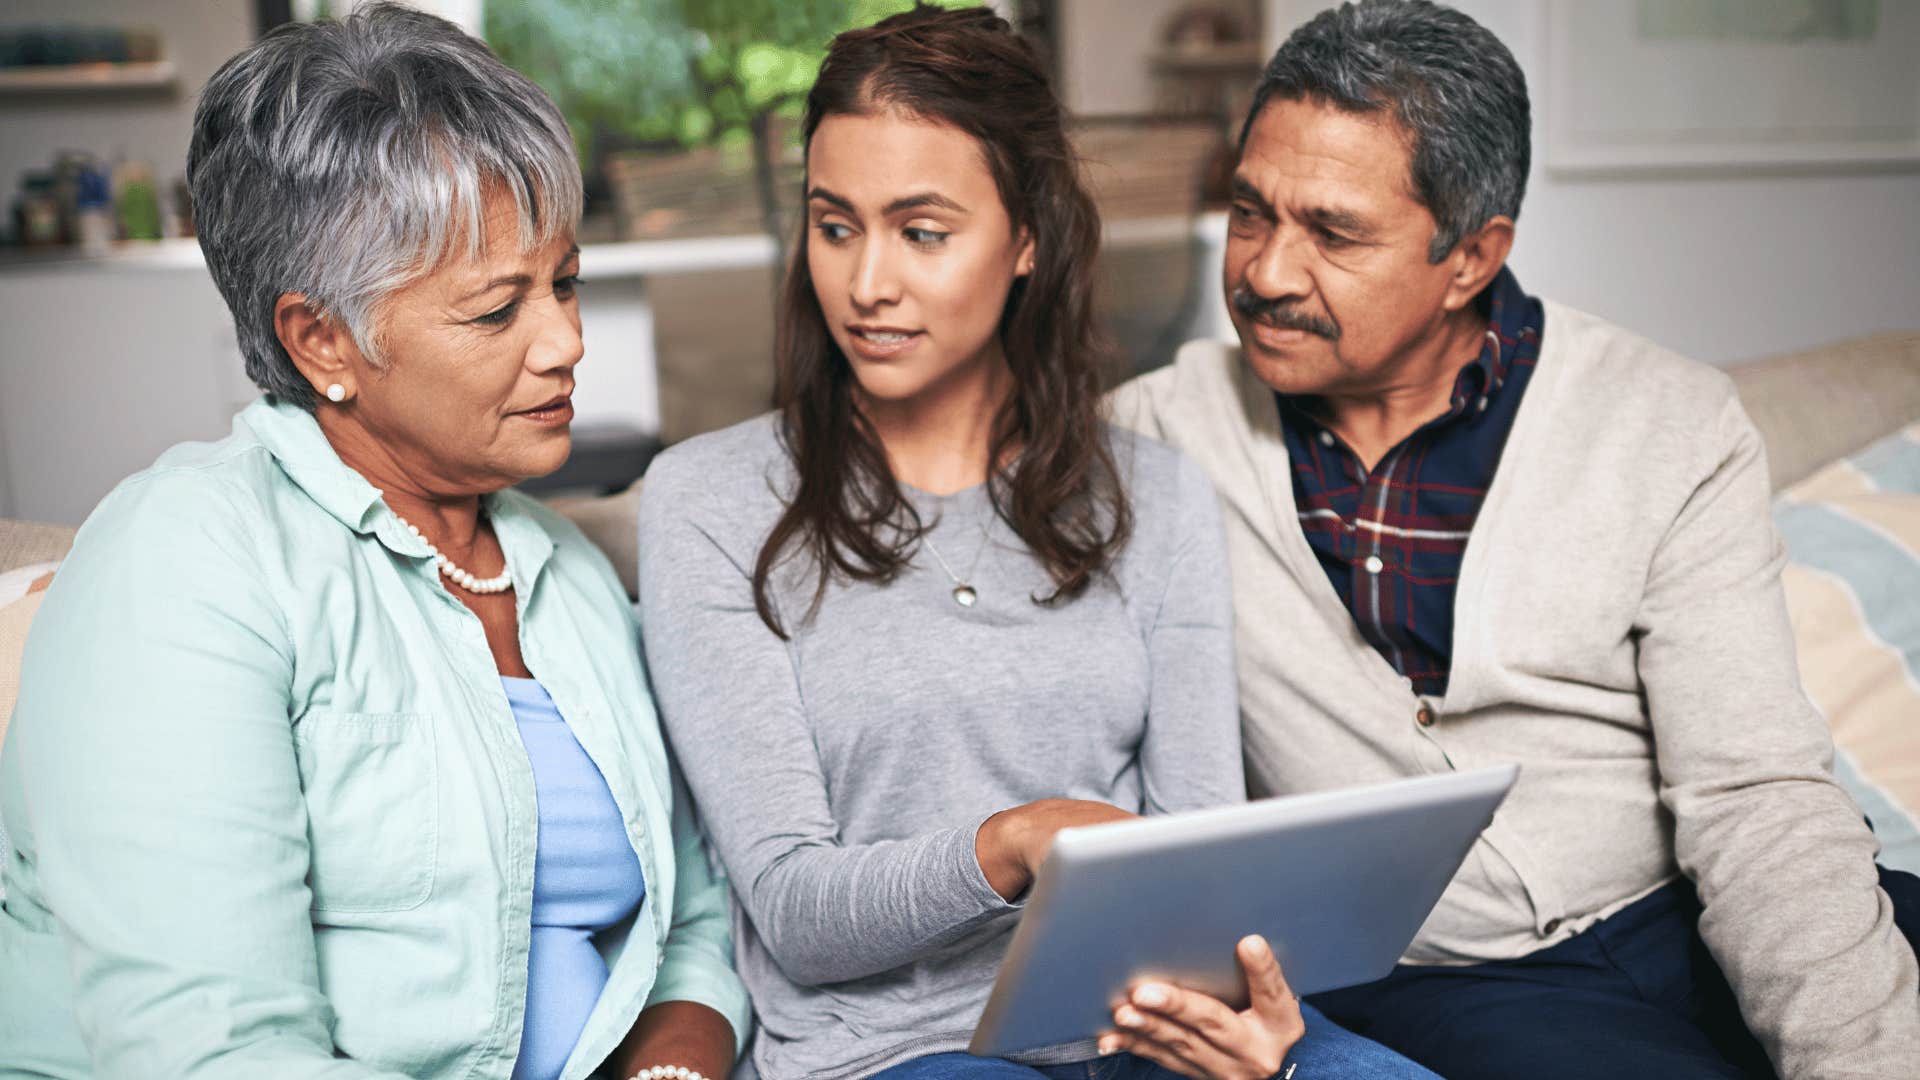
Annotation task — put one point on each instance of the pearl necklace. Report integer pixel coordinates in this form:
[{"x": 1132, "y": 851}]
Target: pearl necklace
[{"x": 457, "y": 575}]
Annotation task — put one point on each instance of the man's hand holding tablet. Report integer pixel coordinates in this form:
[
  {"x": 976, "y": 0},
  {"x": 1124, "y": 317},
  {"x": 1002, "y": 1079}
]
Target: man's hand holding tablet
[
  {"x": 1136, "y": 930},
  {"x": 1200, "y": 1036}
]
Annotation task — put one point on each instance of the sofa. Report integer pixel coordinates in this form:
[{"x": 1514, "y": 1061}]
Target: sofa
[{"x": 1842, "y": 428}]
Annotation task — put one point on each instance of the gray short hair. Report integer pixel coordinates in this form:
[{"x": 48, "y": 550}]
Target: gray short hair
[
  {"x": 1451, "y": 84},
  {"x": 344, "y": 159}
]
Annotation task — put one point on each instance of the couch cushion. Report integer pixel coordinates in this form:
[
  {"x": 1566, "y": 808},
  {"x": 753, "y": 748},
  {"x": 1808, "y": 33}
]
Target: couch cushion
[
  {"x": 23, "y": 542},
  {"x": 1814, "y": 406},
  {"x": 1853, "y": 587},
  {"x": 27, "y": 549},
  {"x": 612, "y": 523},
  {"x": 14, "y": 620}
]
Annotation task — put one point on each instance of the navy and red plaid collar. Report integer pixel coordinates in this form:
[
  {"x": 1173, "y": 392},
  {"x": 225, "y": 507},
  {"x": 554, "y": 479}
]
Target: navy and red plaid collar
[
  {"x": 1511, "y": 318},
  {"x": 1508, "y": 309}
]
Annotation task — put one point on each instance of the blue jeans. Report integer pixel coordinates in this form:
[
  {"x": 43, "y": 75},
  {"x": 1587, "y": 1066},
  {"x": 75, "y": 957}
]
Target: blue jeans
[
  {"x": 1635, "y": 995},
  {"x": 1327, "y": 1052}
]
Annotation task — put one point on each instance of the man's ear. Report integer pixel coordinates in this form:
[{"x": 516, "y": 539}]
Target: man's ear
[
  {"x": 320, "y": 347},
  {"x": 1476, "y": 259}
]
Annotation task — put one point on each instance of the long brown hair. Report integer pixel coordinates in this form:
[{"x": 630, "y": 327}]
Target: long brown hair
[{"x": 1063, "y": 496}]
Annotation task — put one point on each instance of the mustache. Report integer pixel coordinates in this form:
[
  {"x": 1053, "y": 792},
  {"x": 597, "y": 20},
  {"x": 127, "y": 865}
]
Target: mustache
[{"x": 1282, "y": 313}]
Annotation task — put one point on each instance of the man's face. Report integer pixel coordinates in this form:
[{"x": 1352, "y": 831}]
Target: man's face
[{"x": 1326, "y": 273}]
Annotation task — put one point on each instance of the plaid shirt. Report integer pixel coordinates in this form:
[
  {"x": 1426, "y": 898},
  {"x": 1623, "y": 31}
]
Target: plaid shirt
[{"x": 1391, "y": 540}]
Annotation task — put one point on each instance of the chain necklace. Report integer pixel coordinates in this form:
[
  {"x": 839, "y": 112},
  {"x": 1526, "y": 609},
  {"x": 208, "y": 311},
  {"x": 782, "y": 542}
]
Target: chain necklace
[{"x": 963, "y": 592}]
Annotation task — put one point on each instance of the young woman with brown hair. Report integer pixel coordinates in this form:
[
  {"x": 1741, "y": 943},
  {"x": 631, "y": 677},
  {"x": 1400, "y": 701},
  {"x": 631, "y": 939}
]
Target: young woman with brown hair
[{"x": 933, "y": 609}]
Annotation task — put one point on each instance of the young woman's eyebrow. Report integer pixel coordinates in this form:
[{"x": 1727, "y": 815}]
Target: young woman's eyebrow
[
  {"x": 905, "y": 202},
  {"x": 838, "y": 201},
  {"x": 924, "y": 199}
]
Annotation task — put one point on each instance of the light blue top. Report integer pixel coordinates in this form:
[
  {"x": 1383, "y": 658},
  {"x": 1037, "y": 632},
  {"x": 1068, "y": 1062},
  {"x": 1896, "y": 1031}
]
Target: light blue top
[
  {"x": 272, "y": 814},
  {"x": 585, "y": 879}
]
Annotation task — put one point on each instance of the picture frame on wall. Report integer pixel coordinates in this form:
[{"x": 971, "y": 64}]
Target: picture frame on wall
[{"x": 1732, "y": 85}]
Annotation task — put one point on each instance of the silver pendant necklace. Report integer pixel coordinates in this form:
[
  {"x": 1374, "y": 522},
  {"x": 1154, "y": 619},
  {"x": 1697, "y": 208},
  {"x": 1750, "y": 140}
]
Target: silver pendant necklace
[{"x": 963, "y": 592}]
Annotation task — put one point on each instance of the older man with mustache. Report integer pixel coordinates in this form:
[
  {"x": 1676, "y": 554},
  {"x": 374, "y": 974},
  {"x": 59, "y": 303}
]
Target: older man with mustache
[{"x": 1470, "y": 527}]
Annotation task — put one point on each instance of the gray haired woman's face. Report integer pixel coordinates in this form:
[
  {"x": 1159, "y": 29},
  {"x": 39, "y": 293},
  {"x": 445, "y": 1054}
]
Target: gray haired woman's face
[{"x": 473, "y": 394}]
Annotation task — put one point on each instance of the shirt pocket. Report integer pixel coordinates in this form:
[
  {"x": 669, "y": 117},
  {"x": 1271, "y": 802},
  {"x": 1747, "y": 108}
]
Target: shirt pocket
[{"x": 372, "y": 793}]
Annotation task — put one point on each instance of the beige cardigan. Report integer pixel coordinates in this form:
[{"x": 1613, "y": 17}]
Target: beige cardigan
[{"x": 1619, "y": 632}]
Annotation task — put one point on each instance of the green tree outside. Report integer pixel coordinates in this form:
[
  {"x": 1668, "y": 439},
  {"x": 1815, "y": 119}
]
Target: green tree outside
[{"x": 691, "y": 73}]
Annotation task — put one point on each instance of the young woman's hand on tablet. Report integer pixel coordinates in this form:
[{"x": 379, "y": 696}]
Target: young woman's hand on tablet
[
  {"x": 1012, "y": 844},
  {"x": 1199, "y": 1036}
]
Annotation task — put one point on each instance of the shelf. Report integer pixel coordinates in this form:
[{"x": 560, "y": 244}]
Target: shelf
[
  {"x": 87, "y": 78},
  {"x": 170, "y": 254},
  {"x": 629, "y": 259}
]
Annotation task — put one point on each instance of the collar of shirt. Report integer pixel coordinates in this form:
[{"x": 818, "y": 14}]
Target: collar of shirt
[
  {"x": 1480, "y": 381},
  {"x": 293, "y": 437}
]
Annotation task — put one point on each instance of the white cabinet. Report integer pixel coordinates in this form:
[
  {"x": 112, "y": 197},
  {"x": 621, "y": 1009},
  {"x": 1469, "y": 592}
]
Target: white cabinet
[{"x": 105, "y": 363}]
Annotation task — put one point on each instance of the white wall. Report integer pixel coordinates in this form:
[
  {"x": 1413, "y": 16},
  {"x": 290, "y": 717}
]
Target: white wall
[
  {"x": 1719, "y": 267},
  {"x": 101, "y": 368},
  {"x": 105, "y": 364},
  {"x": 1103, "y": 54}
]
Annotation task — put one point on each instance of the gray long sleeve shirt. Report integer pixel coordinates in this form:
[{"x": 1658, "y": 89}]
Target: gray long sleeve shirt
[{"x": 843, "y": 774}]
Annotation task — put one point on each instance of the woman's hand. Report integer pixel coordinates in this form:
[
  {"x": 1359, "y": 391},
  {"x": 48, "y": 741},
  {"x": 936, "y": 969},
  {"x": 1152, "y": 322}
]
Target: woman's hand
[
  {"x": 677, "y": 1033},
  {"x": 1013, "y": 843},
  {"x": 1198, "y": 1036}
]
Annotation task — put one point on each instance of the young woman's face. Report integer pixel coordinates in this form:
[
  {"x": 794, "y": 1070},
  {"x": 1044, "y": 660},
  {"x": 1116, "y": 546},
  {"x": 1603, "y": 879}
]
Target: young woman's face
[{"x": 911, "y": 251}]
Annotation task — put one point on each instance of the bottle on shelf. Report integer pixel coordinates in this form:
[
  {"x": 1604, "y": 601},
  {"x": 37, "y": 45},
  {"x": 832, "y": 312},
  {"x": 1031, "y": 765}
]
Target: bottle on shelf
[
  {"x": 137, "y": 201},
  {"x": 93, "y": 212}
]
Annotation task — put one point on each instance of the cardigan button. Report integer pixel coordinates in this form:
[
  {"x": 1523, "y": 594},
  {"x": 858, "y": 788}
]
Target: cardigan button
[{"x": 1424, "y": 717}]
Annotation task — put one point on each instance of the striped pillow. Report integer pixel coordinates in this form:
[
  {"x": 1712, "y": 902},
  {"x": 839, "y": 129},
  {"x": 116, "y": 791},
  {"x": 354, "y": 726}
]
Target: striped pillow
[{"x": 1853, "y": 587}]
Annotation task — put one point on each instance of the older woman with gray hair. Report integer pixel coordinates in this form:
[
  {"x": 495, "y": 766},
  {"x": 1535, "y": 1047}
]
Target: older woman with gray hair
[{"x": 334, "y": 757}]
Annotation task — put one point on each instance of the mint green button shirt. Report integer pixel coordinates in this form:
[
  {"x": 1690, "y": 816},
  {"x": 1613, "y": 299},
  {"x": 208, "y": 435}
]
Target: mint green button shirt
[{"x": 267, "y": 813}]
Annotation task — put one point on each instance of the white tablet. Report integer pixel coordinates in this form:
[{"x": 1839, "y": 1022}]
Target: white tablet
[{"x": 1338, "y": 882}]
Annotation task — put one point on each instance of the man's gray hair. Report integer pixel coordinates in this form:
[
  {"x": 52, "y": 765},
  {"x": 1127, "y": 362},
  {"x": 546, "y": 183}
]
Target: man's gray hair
[
  {"x": 342, "y": 160},
  {"x": 1450, "y": 83}
]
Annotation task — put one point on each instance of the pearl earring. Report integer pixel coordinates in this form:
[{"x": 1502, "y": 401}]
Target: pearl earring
[{"x": 336, "y": 393}]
